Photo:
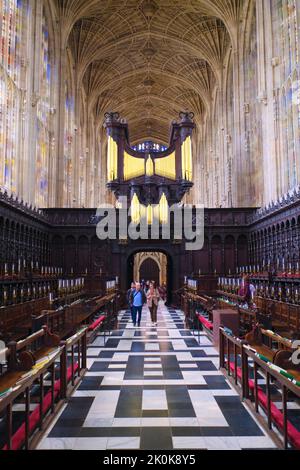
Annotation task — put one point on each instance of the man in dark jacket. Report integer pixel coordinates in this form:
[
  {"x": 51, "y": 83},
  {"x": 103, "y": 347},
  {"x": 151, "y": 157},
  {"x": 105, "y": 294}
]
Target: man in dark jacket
[
  {"x": 131, "y": 290},
  {"x": 137, "y": 299}
]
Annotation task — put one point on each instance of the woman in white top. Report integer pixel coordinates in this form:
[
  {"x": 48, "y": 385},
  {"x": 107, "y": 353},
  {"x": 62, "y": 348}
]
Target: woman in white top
[{"x": 152, "y": 302}]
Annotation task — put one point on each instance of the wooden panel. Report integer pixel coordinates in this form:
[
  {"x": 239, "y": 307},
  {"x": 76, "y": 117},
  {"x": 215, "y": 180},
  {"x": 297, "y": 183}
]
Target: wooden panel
[{"x": 217, "y": 255}]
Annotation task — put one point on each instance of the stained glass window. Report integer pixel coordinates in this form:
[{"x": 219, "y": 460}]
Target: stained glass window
[
  {"x": 287, "y": 47},
  {"x": 82, "y": 141},
  {"x": 68, "y": 144},
  {"x": 43, "y": 119},
  {"x": 12, "y": 39},
  {"x": 148, "y": 146}
]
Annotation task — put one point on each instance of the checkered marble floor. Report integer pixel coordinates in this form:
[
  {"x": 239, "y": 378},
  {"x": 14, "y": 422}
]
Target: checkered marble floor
[{"x": 154, "y": 388}]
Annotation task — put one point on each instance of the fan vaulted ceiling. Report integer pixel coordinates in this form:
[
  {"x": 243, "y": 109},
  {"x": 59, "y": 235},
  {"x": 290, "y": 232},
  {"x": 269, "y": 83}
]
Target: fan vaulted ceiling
[{"x": 149, "y": 59}]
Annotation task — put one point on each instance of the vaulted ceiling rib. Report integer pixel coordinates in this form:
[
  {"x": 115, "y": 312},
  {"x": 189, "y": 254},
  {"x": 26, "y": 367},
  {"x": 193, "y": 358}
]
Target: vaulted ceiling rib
[{"x": 149, "y": 59}]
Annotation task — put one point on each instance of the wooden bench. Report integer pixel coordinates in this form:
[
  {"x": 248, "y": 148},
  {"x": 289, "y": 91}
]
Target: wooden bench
[
  {"x": 28, "y": 362},
  {"x": 16, "y": 320},
  {"x": 248, "y": 316},
  {"x": 234, "y": 356},
  {"x": 65, "y": 321},
  {"x": 285, "y": 316},
  {"x": 23, "y": 356},
  {"x": 255, "y": 340},
  {"x": 38, "y": 418},
  {"x": 205, "y": 322}
]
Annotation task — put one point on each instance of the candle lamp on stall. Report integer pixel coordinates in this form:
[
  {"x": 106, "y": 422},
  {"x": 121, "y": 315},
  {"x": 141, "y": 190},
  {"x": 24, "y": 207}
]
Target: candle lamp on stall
[
  {"x": 296, "y": 295},
  {"x": 5, "y": 296},
  {"x": 6, "y": 270},
  {"x": 288, "y": 293},
  {"x": 13, "y": 272}
]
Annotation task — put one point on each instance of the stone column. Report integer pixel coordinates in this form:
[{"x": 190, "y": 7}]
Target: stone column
[
  {"x": 60, "y": 121},
  {"x": 265, "y": 96}
]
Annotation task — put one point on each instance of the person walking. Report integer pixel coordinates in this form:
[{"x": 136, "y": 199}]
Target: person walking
[
  {"x": 163, "y": 292},
  {"x": 146, "y": 287},
  {"x": 132, "y": 289},
  {"x": 137, "y": 300},
  {"x": 152, "y": 302}
]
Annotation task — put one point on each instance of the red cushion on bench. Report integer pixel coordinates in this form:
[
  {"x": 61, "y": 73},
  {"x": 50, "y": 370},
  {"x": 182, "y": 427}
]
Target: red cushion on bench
[
  {"x": 251, "y": 384},
  {"x": 240, "y": 375},
  {"x": 97, "y": 323},
  {"x": 18, "y": 438},
  {"x": 69, "y": 371},
  {"x": 205, "y": 322},
  {"x": 238, "y": 370},
  {"x": 69, "y": 376},
  {"x": 277, "y": 417}
]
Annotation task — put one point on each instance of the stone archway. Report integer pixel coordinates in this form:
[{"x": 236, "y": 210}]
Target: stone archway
[
  {"x": 159, "y": 258},
  {"x": 150, "y": 270}
]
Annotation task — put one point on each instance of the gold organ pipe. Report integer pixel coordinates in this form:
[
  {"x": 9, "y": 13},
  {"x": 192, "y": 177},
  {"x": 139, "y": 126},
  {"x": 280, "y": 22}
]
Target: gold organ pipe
[
  {"x": 149, "y": 167},
  {"x": 186, "y": 159},
  {"x": 149, "y": 214},
  {"x": 135, "y": 209},
  {"x": 166, "y": 166},
  {"x": 112, "y": 159},
  {"x": 133, "y": 166},
  {"x": 163, "y": 209}
]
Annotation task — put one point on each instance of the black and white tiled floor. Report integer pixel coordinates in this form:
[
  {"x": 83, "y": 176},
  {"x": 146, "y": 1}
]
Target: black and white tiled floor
[{"x": 154, "y": 388}]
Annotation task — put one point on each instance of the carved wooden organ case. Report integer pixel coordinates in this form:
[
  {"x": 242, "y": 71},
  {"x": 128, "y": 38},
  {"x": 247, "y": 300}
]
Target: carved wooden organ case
[{"x": 149, "y": 179}]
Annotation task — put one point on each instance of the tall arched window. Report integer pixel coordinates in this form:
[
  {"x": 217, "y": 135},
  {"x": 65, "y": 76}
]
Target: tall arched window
[
  {"x": 43, "y": 118},
  {"x": 285, "y": 139},
  {"x": 291, "y": 136},
  {"x": 13, "y": 36},
  {"x": 83, "y": 152},
  {"x": 68, "y": 144},
  {"x": 286, "y": 40},
  {"x": 253, "y": 137},
  {"x": 286, "y": 10}
]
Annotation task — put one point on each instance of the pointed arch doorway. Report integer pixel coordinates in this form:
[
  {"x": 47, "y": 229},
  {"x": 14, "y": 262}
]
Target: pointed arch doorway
[
  {"x": 163, "y": 261},
  {"x": 150, "y": 270},
  {"x": 150, "y": 266}
]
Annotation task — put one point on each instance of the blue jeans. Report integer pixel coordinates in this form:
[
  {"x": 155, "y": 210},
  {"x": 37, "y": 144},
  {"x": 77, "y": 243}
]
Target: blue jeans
[
  {"x": 131, "y": 312},
  {"x": 136, "y": 314}
]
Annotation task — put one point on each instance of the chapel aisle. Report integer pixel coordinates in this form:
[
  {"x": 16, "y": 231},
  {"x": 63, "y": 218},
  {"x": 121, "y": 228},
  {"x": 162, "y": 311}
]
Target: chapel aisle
[{"x": 154, "y": 388}]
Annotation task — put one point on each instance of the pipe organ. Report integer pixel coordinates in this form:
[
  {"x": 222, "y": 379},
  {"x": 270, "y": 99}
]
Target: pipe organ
[
  {"x": 112, "y": 159},
  {"x": 166, "y": 166},
  {"x": 151, "y": 179},
  {"x": 133, "y": 167},
  {"x": 186, "y": 156}
]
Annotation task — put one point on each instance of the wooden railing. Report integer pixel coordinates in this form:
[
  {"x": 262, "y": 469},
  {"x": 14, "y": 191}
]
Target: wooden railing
[
  {"x": 76, "y": 349},
  {"x": 234, "y": 361},
  {"x": 17, "y": 387},
  {"x": 65, "y": 363},
  {"x": 190, "y": 302}
]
